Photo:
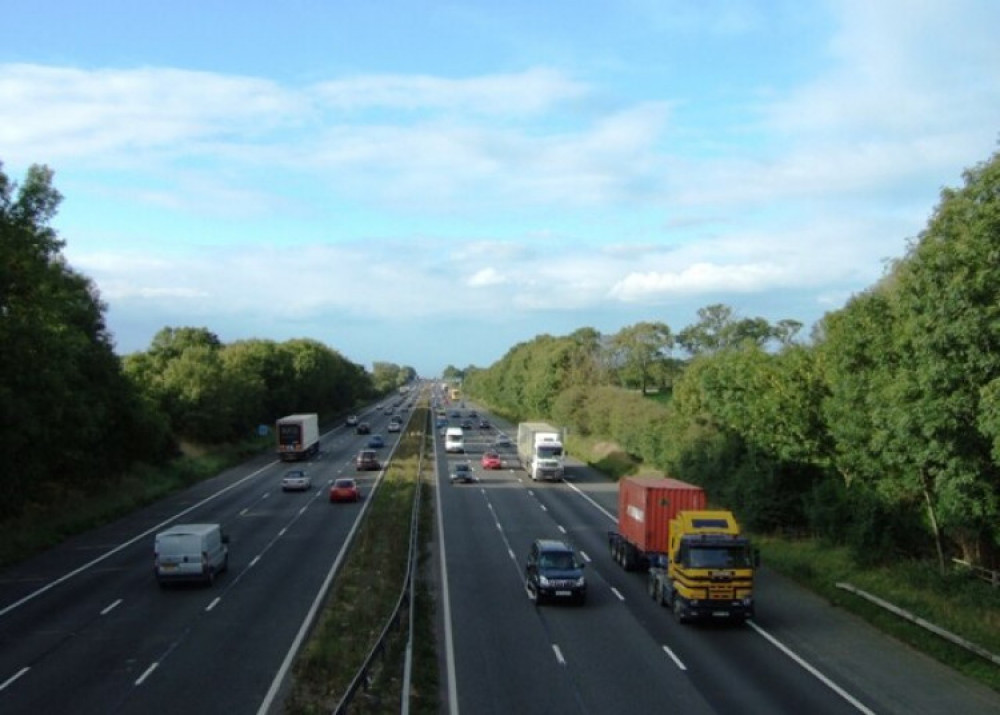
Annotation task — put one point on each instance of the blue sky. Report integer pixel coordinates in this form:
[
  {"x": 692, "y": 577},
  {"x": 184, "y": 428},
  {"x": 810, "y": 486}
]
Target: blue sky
[{"x": 432, "y": 183}]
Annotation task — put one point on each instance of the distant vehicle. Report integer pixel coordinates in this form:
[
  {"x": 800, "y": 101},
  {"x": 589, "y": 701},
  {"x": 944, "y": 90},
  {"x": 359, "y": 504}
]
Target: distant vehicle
[
  {"x": 441, "y": 422},
  {"x": 455, "y": 414},
  {"x": 454, "y": 440},
  {"x": 296, "y": 480},
  {"x": 363, "y": 428},
  {"x": 491, "y": 460},
  {"x": 540, "y": 448},
  {"x": 394, "y": 427},
  {"x": 190, "y": 552},
  {"x": 485, "y": 424},
  {"x": 502, "y": 440},
  {"x": 376, "y": 441},
  {"x": 462, "y": 472},
  {"x": 466, "y": 424},
  {"x": 352, "y": 420},
  {"x": 366, "y": 460},
  {"x": 553, "y": 572},
  {"x": 298, "y": 436},
  {"x": 345, "y": 490}
]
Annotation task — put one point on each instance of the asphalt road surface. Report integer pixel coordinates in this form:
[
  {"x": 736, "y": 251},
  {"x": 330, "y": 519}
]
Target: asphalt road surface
[
  {"x": 84, "y": 628},
  {"x": 623, "y": 653}
]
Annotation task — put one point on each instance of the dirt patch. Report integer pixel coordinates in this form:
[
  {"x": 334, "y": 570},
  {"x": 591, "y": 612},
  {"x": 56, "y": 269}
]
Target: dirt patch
[{"x": 191, "y": 449}]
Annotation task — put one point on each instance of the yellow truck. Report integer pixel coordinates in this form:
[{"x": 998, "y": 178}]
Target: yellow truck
[{"x": 699, "y": 564}]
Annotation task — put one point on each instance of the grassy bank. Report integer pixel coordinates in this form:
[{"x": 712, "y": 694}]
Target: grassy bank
[
  {"x": 956, "y": 601},
  {"x": 55, "y": 515}
]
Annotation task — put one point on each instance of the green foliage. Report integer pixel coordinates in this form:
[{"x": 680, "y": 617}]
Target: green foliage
[
  {"x": 388, "y": 377},
  {"x": 213, "y": 393},
  {"x": 884, "y": 435},
  {"x": 67, "y": 414}
]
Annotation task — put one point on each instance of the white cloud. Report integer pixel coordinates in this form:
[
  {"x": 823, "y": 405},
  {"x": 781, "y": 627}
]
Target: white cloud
[{"x": 529, "y": 92}]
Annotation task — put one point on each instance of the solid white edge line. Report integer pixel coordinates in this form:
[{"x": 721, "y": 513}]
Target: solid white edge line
[
  {"x": 15, "y": 676},
  {"x": 597, "y": 506},
  {"x": 148, "y": 672},
  {"x": 266, "y": 703},
  {"x": 673, "y": 656},
  {"x": 124, "y": 545},
  {"x": 449, "y": 643},
  {"x": 559, "y": 655},
  {"x": 810, "y": 669}
]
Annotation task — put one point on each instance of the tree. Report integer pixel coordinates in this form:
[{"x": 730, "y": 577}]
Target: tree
[
  {"x": 641, "y": 349},
  {"x": 68, "y": 416}
]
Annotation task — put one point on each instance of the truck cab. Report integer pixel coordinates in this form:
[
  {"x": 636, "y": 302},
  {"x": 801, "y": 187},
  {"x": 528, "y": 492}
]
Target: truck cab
[{"x": 709, "y": 569}]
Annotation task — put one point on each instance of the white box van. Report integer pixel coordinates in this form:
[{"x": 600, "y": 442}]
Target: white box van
[
  {"x": 190, "y": 552},
  {"x": 454, "y": 440}
]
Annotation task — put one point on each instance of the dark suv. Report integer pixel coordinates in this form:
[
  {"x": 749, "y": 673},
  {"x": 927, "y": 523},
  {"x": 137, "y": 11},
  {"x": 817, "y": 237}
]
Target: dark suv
[
  {"x": 367, "y": 459},
  {"x": 553, "y": 572}
]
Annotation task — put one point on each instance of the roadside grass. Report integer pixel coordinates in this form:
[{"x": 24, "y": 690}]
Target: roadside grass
[
  {"x": 47, "y": 521},
  {"x": 607, "y": 457},
  {"x": 955, "y": 601},
  {"x": 361, "y": 601}
]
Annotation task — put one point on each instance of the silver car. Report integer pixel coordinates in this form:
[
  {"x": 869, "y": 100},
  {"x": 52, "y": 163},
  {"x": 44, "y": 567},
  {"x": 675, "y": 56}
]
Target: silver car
[{"x": 296, "y": 480}]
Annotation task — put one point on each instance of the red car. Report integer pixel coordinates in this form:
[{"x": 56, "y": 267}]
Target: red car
[
  {"x": 491, "y": 460},
  {"x": 345, "y": 490}
]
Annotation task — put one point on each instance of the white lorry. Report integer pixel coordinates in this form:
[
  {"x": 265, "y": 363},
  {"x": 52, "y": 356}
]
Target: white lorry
[
  {"x": 540, "y": 448},
  {"x": 298, "y": 437}
]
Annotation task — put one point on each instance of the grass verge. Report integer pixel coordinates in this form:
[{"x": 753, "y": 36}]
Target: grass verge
[
  {"x": 47, "y": 522},
  {"x": 955, "y": 601}
]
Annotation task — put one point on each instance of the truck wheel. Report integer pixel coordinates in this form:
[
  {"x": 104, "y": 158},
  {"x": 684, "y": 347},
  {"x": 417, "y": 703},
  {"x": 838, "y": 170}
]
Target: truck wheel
[{"x": 679, "y": 611}]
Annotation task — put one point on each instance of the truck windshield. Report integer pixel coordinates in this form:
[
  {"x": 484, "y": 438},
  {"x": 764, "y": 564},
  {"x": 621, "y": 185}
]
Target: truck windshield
[
  {"x": 548, "y": 450},
  {"x": 736, "y": 557}
]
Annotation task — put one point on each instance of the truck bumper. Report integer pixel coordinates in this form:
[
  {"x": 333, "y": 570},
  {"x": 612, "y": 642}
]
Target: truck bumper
[{"x": 715, "y": 610}]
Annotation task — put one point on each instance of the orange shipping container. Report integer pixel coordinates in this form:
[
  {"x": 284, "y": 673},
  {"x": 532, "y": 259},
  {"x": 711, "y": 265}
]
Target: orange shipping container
[{"x": 647, "y": 504}]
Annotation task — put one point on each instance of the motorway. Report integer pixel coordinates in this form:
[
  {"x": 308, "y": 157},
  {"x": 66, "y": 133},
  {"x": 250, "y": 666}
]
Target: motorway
[
  {"x": 623, "y": 653},
  {"x": 85, "y": 629}
]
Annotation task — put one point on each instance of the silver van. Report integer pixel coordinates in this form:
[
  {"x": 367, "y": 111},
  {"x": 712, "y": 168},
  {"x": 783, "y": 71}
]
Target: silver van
[{"x": 190, "y": 552}]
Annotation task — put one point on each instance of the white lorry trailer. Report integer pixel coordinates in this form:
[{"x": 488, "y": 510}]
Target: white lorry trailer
[
  {"x": 540, "y": 448},
  {"x": 298, "y": 437}
]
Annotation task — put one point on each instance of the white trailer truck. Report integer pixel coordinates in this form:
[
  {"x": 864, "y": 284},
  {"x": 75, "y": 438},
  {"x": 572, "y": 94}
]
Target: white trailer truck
[
  {"x": 540, "y": 448},
  {"x": 298, "y": 437}
]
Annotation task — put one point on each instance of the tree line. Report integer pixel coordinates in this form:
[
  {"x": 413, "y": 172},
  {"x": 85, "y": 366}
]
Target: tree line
[
  {"x": 881, "y": 432},
  {"x": 75, "y": 417}
]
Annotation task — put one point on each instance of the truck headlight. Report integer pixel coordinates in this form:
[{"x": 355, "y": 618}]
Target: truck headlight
[
  {"x": 581, "y": 582},
  {"x": 542, "y": 581}
]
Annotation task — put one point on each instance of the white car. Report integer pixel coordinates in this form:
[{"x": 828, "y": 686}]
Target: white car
[
  {"x": 352, "y": 420},
  {"x": 393, "y": 427},
  {"x": 296, "y": 480}
]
